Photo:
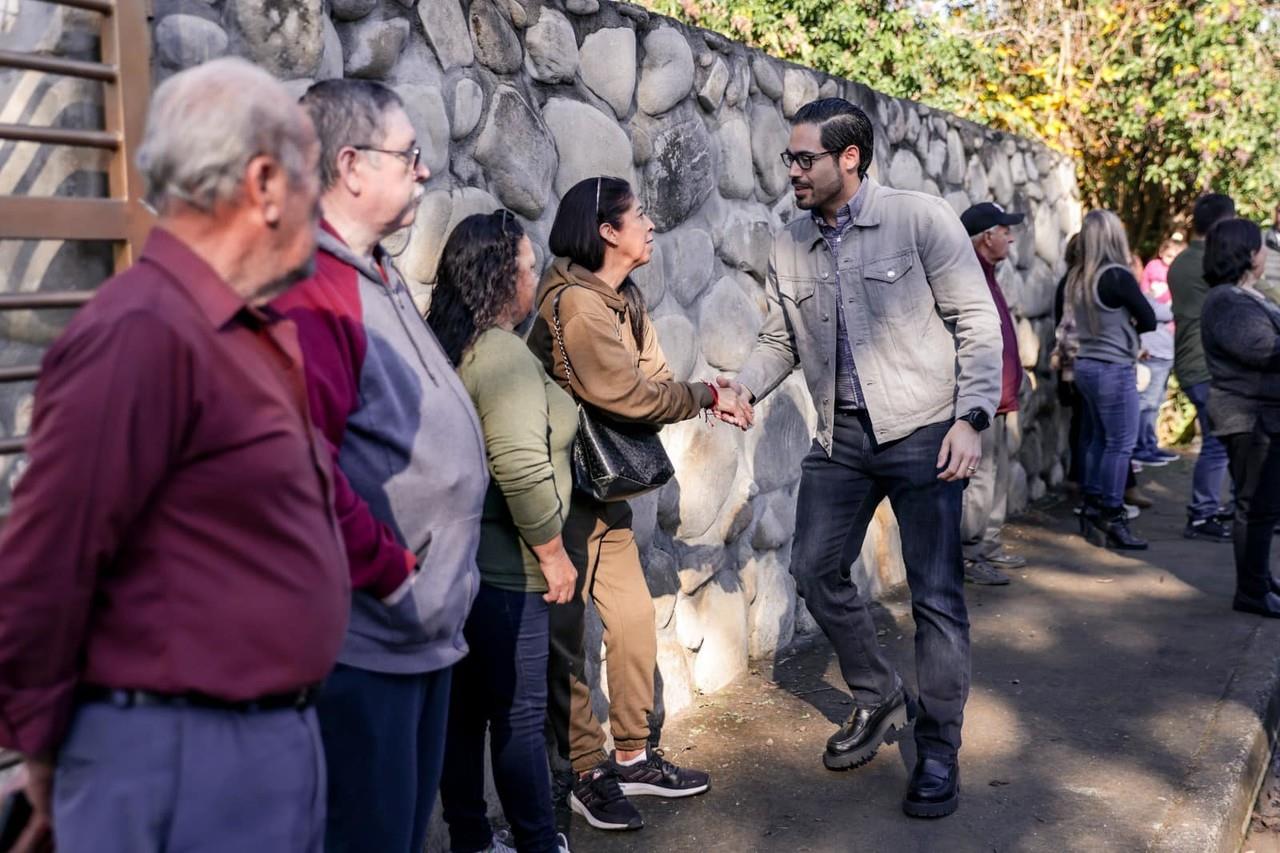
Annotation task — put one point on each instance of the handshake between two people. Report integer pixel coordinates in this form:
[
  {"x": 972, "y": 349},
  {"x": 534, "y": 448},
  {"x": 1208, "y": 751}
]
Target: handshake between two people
[{"x": 733, "y": 403}]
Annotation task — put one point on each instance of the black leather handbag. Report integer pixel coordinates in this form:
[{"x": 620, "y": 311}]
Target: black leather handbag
[{"x": 612, "y": 460}]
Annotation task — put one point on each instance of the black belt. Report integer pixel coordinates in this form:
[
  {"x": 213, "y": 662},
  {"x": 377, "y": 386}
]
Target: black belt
[{"x": 297, "y": 700}]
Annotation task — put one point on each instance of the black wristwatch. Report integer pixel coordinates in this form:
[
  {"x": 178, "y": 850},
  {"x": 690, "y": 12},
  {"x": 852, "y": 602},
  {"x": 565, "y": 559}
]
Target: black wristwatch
[{"x": 977, "y": 419}]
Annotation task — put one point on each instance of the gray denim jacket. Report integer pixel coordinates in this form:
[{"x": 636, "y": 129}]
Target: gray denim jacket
[{"x": 922, "y": 325}]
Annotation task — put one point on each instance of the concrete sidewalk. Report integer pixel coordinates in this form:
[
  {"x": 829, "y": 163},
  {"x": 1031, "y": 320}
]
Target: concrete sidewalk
[{"x": 1118, "y": 704}]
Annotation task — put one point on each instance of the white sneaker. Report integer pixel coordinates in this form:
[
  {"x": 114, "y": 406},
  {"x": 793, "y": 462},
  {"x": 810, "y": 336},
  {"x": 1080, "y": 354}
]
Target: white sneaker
[{"x": 562, "y": 843}]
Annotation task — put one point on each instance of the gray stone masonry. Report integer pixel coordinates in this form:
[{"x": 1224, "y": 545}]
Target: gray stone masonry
[{"x": 514, "y": 101}]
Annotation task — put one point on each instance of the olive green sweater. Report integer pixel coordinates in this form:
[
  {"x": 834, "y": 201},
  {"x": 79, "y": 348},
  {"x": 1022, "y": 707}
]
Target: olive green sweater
[{"x": 529, "y": 424}]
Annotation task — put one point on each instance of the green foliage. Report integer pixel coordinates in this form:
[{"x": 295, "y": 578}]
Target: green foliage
[{"x": 1157, "y": 100}]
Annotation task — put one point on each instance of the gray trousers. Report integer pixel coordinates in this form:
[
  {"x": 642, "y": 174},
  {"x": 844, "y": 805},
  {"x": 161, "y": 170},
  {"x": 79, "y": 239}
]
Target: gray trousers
[
  {"x": 986, "y": 498},
  {"x": 187, "y": 780}
]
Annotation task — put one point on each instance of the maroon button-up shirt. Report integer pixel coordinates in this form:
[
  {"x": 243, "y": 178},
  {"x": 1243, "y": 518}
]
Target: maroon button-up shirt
[
  {"x": 174, "y": 529},
  {"x": 1011, "y": 375}
]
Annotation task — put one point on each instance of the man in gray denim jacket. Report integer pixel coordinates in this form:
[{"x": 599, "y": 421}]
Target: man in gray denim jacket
[{"x": 876, "y": 294}]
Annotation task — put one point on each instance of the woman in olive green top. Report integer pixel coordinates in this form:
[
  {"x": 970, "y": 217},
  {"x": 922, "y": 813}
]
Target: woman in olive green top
[{"x": 484, "y": 289}]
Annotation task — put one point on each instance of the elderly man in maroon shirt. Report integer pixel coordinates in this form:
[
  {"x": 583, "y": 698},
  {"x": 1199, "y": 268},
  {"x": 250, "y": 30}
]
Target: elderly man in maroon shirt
[
  {"x": 986, "y": 498},
  {"x": 173, "y": 582}
]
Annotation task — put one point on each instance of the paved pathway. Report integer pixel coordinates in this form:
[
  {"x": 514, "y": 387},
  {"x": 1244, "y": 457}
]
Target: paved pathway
[{"x": 1116, "y": 706}]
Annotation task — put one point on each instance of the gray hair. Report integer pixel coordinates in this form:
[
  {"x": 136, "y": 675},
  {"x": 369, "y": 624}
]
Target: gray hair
[
  {"x": 206, "y": 123},
  {"x": 347, "y": 112}
]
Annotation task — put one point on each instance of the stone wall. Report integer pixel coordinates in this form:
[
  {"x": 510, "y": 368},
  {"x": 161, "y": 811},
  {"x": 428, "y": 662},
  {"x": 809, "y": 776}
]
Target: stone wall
[{"x": 516, "y": 100}]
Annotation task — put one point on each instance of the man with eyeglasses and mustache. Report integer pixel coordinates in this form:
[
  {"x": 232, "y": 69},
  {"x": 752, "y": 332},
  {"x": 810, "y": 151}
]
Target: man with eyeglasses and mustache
[
  {"x": 411, "y": 476},
  {"x": 877, "y": 296}
]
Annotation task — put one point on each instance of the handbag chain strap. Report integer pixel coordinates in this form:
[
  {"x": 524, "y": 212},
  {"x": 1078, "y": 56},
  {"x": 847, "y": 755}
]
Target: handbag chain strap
[{"x": 555, "y": 322}]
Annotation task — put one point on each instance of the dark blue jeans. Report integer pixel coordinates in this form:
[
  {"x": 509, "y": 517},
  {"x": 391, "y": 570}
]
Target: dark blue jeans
[
  {"x": 501, "y": 685},
  {"x": 838, "y": 495},
  {"x": 1211, "y": 466},
  {"x": 1110, "y": 427},
  {"x": 384, "y": 744}
]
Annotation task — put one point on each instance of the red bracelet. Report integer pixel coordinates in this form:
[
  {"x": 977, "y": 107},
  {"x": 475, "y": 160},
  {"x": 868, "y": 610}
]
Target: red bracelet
[{"x": 715, "y": 395}]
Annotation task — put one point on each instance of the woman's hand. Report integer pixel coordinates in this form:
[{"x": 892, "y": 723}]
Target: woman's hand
[
  {"x": 733, "y": 404},
  {"x": 557, "y": 568}
]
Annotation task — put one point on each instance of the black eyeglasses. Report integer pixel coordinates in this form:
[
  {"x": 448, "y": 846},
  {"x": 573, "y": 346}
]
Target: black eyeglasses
[
  {"x": 412, "y": 156},
  {"x": 804, "y": 158}
]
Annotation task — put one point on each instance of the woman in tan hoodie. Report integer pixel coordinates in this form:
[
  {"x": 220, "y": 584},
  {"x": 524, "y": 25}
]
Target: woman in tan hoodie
[{"x": 600, "y": 235}]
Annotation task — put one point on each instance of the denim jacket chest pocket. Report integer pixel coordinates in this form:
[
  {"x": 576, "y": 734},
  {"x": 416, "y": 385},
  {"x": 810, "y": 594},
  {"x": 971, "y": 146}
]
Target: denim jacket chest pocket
[
  {"x": 895, "y": 285},
  {"x": 807, "y": 302}
]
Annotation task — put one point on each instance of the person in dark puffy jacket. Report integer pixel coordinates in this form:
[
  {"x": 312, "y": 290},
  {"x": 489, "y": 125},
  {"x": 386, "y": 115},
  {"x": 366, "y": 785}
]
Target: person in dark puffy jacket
[{"x": 1240, "y": 330}]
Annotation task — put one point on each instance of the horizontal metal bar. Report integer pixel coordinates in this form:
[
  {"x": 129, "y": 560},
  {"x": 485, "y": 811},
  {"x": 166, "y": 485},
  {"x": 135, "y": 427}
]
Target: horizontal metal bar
[
  {"x": 57, "y": 65},
  {"x": 10, "y": 446},
  {"x": 60, "y": 218},
  {"x": 35, "y": 300},
  {"x": 21, "y": 373},
  {"x": 60, "y": 136}
]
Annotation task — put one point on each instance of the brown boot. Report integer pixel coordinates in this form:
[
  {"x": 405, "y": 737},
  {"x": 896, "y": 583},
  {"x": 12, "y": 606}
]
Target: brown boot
[{"x": 1134, "y": 498}]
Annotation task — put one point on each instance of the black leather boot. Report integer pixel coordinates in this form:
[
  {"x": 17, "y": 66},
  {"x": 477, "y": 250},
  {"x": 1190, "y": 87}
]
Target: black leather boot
[
  {"x": 1087, "y": 513},
  {"x": 1267, "y": 604},
  {"x": 1114, "y": 525},
  {"x": 934, "y": 789},
  {"x": 867, "y": 727}
]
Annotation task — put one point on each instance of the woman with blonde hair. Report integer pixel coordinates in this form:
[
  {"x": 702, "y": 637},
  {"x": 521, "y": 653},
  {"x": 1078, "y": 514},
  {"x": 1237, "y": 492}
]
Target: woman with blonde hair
[{"x": 1110, "y": 313}]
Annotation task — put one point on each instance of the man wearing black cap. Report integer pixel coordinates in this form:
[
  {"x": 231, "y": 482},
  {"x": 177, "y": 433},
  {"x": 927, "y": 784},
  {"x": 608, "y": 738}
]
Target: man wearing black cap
[{"x": 986, "y": 500}]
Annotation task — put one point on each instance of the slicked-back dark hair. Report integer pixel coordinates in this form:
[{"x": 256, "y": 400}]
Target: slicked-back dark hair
[
  {"x": 1229, "y": 249},
  {"x": 476, "y": 281},
  {"x": 575, "y": 233},
  {"x": 1209, "y": 210},
  {"x": 347, "y": 112},
  {"x": 840, "y": 125}
]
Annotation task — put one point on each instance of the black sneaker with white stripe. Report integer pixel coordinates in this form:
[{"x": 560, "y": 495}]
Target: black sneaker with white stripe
[
  {"x": 597, "y": 797},
  {"x": 657, "y": 777}
]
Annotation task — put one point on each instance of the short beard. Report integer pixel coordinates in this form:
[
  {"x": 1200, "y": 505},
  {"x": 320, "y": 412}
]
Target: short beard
[{"x": 816, "y": 201}]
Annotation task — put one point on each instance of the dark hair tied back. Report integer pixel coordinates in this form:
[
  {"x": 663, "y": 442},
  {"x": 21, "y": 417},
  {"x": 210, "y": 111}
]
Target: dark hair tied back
[
  {"x": 476, "y": 280},
  {"x": 575, "y": 233}
]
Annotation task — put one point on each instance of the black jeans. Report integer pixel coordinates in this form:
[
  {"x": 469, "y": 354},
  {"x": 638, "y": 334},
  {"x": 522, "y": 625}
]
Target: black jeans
[
  {"x": 501, "y": 685},
  {"x": 837, "y": 497},
  {"x": 384, "y": 744},
  {"x": 1255, "y": 470}
]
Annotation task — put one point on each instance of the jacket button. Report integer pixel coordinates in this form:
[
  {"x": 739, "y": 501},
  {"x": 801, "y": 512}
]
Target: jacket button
[
  {"x": 824, "y": 318},
  {"x": 824, "y": 275}
]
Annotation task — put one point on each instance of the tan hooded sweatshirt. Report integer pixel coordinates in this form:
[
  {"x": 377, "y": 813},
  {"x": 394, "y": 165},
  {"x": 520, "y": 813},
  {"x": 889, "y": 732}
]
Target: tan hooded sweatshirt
[{"x": 612, "y": 371}]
